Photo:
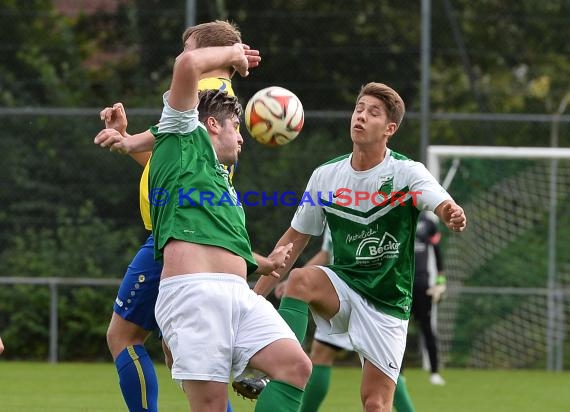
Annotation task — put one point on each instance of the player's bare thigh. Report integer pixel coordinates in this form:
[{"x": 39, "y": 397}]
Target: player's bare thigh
[
  {"x": 322, "y": 354},
  {"x": 312, "y": 285},
  {"x": 377, "y": 389},
  {"x": 206, "y": 395}
]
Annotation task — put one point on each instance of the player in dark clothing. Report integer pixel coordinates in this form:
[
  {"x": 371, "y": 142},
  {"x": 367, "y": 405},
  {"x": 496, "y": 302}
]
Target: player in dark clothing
[{"x": 428, "y": 290}]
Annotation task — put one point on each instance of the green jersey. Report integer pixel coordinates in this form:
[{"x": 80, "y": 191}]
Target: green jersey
[
  {"x": 372, "y": 217},
  {"x": 191, "y": 196}
]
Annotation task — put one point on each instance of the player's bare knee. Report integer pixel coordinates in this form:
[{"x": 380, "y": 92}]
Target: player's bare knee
[
  {"x": 295, "y": 369},
  {"x": 300, "y": 371},
  {"x": 322, "y": 354},
  {"x": 306, "y": 369},
  {"x": 299, "y": 284},
  {"x": 376, "y": 404},
  {"x": 109, "y": 336},
  {"x": 113, "y": 341}
]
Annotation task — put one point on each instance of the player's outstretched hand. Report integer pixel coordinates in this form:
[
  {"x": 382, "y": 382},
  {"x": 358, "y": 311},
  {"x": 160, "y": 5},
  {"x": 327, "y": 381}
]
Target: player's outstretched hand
[
  {"x": 278, "y": 259},
  {"x": 454, "y": 217},
  {"x": 115, "y": 118},
  {"x": 108, "y": 138}
]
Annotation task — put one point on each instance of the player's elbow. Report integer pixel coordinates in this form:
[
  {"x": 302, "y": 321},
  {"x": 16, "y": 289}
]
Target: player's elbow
[{"x": 188, "y": 64}]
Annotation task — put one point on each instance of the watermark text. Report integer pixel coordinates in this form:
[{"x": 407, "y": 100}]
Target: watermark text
[{"x": 342, "y": 197}]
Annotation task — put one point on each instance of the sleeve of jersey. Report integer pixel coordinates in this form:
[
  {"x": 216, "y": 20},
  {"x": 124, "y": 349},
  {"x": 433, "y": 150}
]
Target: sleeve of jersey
[
  {"x": 427, "y": 192},
  {"x": 173, "y": 121},
  {"x": 309, "y": 217}
]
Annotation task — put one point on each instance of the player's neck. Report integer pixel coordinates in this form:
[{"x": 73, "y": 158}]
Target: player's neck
[{"x": 366, "y": 157}]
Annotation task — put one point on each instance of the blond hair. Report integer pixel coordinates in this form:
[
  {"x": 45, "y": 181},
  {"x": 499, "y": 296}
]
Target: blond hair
[{"x": 213, "y": 34}]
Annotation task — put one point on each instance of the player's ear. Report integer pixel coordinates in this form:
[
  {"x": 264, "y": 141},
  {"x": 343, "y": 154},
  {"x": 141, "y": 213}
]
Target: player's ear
[
  {"x": 211, "y": 123},
  {"x": 391, "y": 129}
]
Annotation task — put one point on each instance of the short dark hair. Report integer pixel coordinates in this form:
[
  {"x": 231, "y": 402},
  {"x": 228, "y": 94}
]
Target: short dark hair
[
  {"x": 395, "y": 107},
  {"x": 219, "y": 105}
]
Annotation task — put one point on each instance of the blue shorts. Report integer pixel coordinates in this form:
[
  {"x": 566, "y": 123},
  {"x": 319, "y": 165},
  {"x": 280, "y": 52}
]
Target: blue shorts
[{"x": 139, "y": 289}]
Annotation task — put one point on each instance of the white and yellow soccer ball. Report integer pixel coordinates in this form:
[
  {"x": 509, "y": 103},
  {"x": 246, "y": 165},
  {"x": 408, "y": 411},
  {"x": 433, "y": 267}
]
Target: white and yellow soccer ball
[{"x": 274, "y": 116}]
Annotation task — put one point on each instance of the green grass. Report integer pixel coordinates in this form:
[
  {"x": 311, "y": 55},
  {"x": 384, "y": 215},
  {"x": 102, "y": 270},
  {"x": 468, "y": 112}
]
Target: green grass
[{"x": 79, "y": 387}]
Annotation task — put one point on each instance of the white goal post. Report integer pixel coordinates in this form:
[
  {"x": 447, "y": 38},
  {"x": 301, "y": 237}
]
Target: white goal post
[
  {"x": 436, "y": 153},
  {"x": 503, "y": 209}
]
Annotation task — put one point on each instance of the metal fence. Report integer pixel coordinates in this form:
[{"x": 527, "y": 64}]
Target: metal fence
[{"x": 53, "y": 284}]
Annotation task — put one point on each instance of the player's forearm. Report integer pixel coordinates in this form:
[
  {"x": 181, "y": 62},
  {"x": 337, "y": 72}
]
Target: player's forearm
[
  {"x": 320, "y": 258},
  {"x": 264, "y": 285},
  {"x": 139, "y": 143},
  {"x": 440, "y": 210},
  {"x": 141, "y": 158},
  {"x": 208, "y": 59},
  {"x": 189, "y": 68}
]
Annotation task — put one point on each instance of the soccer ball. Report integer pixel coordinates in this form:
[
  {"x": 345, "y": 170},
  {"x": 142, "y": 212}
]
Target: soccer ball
[{"x": 274, "y": 116}]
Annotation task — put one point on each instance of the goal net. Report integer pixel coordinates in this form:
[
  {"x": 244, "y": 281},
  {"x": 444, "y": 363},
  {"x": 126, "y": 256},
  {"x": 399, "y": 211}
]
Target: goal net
[{"x": 508, "y": 299}]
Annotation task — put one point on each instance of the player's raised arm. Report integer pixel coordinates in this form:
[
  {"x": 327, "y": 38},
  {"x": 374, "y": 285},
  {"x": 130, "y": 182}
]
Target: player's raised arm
[
  {"x": 190, "y": 65},
  {"x": 134, "y": 144}
]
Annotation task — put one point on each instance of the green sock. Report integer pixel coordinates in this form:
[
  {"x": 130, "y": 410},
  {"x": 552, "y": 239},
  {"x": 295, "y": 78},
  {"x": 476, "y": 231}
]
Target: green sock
[
  {"x": 279, "y": 396},
  {"x": 402, "y": 399},
  {"x": 296, "y": 314},
  {"x": 317, "y": 388}
]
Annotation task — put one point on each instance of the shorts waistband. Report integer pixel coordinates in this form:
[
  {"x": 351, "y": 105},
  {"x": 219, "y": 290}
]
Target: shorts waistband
[{"x": 201, "y": 277}]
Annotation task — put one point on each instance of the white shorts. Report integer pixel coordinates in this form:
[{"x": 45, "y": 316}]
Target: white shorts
[
  {"x": 214, "y": 323},
  {"x": 375, "y": 336},
  {"x": 341, "y": 340}
]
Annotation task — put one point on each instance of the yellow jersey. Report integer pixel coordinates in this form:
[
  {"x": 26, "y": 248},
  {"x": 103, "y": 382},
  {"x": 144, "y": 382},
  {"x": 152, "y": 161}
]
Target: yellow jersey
[{"x": 209, "y": 83}]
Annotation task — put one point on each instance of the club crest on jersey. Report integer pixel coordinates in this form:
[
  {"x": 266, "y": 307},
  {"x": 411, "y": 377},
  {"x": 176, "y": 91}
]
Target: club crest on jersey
[
  {"x": 385, "y": 184},
  {"x": 374, "y": 249}
]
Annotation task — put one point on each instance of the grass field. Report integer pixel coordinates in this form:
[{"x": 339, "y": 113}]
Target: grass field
[{"x": 78, "y": 387}]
